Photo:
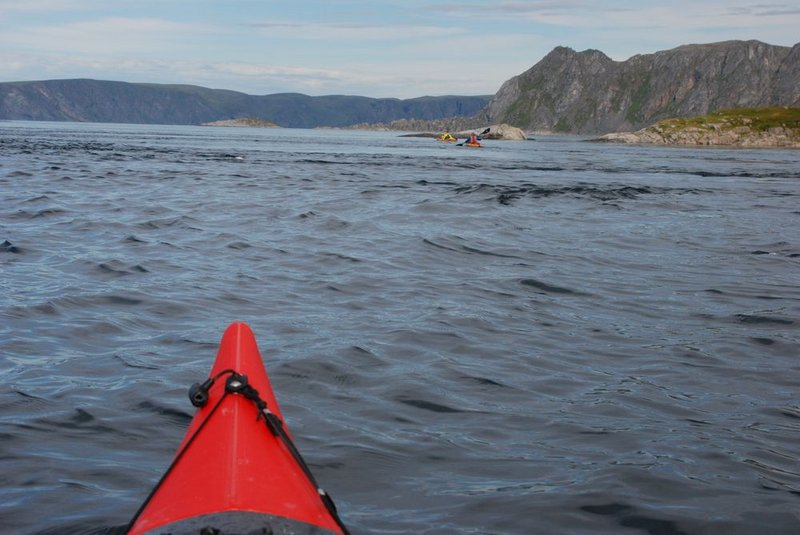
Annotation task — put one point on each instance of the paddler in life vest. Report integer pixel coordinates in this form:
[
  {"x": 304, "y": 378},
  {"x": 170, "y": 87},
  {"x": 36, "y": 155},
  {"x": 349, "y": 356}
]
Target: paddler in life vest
[
  {"x": 447, "y": 137},
  {"x": 473, "y": 139}
]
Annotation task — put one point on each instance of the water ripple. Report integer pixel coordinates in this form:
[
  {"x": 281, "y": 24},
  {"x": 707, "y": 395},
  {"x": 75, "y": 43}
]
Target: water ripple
[{"x": 538, "y": 337}]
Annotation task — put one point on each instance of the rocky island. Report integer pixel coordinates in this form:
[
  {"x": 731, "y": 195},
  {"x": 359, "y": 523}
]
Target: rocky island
[
  {"x": 495, "y": 131},
  {"x": 251, "y": 122},
  {"x": 762, "y": 127}
]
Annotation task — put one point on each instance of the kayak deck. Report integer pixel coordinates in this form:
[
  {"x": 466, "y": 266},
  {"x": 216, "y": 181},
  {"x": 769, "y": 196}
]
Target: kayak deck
[
  {"x": 237, "y": 465},
  {"x": 240, "y": 523}
]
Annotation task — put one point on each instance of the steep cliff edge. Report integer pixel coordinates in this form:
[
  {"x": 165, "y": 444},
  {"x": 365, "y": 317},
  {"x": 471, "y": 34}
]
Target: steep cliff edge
[{"x": 588, "y": 92}]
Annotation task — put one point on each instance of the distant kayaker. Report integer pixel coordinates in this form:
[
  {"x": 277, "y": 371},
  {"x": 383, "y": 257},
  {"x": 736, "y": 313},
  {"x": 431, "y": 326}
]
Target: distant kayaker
[{"x": 447, "y": 137}]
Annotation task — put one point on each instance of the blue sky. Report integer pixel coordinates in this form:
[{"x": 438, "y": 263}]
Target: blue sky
[{"x": 378, "y": 48}]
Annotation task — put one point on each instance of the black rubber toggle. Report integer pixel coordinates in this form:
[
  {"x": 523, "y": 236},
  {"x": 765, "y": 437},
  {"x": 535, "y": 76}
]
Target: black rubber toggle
[{"x": 198, "y": 393}]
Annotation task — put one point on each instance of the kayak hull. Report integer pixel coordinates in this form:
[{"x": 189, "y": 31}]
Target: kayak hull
[{"x": 230, "y": 467}]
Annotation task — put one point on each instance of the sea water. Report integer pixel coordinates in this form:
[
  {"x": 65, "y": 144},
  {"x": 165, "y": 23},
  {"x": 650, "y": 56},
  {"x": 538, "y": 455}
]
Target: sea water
[{"x": 549, "y": 336}]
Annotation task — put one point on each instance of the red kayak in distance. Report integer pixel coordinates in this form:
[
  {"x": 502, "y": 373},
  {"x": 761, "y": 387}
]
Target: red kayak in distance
[{"x": 237, "y": 469}]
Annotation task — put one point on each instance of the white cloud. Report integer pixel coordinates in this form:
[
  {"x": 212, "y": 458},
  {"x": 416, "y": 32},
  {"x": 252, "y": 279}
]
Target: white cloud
[
  {"x": 14, "y": 7},
  {"x": 369, "y": 79},
  {"x": 623, "y": 15},
  {"x": 101, "y": 37},
  {"x": 352, "y": 31},
  {"x": 456, "y": 47}
]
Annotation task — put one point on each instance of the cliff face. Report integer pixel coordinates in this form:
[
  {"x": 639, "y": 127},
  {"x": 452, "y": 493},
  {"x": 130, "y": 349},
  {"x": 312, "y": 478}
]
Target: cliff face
[
  {"x": 121, "y": 102},
  {"x": 587, "y": 92}
]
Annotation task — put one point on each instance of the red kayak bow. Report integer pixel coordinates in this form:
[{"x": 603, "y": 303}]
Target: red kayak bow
[{"x": 237, "y": 469}]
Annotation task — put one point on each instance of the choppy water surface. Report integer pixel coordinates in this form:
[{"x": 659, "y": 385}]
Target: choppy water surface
[{"x": 549, "y": 336}]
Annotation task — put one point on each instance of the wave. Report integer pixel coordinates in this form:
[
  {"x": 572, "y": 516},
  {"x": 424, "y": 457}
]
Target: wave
[
  {"x": 461, "y": 248},
  {"x": 117, "y": 268},
  {"x": 549, "y": 288},
  {"x": 8, "y": 247},
  {"x": 506, "y": 194}
]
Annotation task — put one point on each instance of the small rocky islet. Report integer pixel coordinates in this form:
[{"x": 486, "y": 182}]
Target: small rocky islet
[
  {"x": 495, "y": 131},
  {"x": 249, "y": 122}
]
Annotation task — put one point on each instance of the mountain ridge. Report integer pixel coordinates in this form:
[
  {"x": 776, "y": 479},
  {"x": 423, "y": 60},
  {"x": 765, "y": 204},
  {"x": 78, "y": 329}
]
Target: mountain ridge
[
  {"x": 573, "y": 92},
  {"x": 89, "y": 100},
  {"x": 587, "y": 92}
]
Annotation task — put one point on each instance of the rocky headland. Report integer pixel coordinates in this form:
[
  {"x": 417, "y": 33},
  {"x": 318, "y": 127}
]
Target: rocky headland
[{"x": 765, "y": 127}]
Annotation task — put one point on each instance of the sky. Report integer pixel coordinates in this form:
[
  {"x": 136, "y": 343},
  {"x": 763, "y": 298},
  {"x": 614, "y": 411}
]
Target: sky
[{"x": 377, "y": 48}]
